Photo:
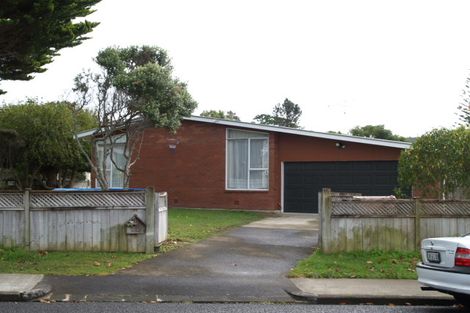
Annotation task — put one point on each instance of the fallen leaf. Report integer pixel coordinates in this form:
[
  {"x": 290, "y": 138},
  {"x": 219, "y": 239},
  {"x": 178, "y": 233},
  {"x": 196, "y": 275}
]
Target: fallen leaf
[{"x": 96, "y": 263}]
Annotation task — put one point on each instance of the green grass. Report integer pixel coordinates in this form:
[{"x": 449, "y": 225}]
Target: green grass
[
  {"x": 189, "y": 225},
  {"x": 373, "y": 264},
  {"x": 185, "y": 226},
  {"x": 66, "y": 263}
]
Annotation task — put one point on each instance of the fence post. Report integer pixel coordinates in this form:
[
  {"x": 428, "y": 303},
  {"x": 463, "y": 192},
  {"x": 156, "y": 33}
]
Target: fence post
[
  {"x": 161, "y": 218},
  {"x": 418, "y": 211},
  {"x": 149, "y": 220},
  {"x": 157, "y": 218},
  {"x": 325, "y": 219},
  {"x": 320, "y": 210},
  {"x": 27, "y": 218}
]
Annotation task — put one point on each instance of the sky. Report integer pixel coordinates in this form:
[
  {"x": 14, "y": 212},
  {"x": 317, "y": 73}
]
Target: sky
[{"x": 345, "y": 63}]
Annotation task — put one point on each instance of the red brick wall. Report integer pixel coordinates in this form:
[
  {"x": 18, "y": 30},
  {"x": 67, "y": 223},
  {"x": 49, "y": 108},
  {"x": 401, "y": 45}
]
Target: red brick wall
[
  {"x": 194, "y": 173},
  {"x": 304, "y": 149}
]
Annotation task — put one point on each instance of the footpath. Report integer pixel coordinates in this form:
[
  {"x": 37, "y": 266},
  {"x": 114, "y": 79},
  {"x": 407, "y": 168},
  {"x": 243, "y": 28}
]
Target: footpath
[
  {"x": 366, "y": 291},
  {"x": 22, "y": 287},
  {"x": 16, "y": 287}
]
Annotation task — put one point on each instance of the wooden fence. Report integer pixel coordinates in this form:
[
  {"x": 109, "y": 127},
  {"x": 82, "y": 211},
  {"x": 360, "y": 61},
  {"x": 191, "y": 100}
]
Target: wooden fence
[
  {"x": 361, "y": 225},
  {"x": 132, "y": 221}
]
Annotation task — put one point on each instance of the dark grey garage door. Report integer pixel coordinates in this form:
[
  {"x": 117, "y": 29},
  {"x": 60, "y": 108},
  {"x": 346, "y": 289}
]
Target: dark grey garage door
[{"x": 303, "y": 181}]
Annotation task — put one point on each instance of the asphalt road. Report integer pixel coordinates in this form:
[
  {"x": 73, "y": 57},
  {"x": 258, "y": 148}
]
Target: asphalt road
[
  {"x": 209, "y": 308},
  {"x": 243, "y": 265}
]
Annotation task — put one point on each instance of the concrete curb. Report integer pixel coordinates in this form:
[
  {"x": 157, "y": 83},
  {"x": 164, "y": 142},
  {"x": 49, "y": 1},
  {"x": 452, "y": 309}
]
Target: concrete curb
[
  {"x": 40, "y": 290},
  {"x": 366, "y": 299}
]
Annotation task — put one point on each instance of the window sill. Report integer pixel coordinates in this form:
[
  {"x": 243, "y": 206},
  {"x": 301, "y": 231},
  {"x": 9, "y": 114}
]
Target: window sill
[{"x": 246, "y": 190}]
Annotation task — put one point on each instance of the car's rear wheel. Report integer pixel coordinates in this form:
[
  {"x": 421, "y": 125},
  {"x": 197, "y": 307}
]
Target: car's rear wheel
[{"x": 462, "y": 299}]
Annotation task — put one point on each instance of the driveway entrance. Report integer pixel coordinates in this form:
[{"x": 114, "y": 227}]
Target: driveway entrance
[{"x": 245, "y": 264}]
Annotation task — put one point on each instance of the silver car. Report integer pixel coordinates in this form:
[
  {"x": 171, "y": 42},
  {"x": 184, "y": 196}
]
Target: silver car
[{"x": 445, "y": 266}]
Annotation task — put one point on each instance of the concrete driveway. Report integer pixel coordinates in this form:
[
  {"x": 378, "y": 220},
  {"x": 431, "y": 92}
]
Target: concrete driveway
[{"x": 245, "y": 264}]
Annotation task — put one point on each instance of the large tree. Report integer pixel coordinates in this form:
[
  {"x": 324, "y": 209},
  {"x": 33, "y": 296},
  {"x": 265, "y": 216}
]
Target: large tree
[
  {"x": 375, "y": 131},
  {"x": 133, "y": 89},
  {"x": 229, "y": 115},
  {"x": 37, "y": 144},
  {"x": 464, "y": 113},
  {"x": 438, "y": 162},
  {"x": 285, "y": 114},
  {"x": 33, "y": 32},
  {"x": 464, "y": 107}
]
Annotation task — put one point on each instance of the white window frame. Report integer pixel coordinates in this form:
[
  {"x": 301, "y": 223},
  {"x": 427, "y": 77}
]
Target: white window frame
[
  {"x": 117, "y": 141},
  {"x": 249, "y": 169}
]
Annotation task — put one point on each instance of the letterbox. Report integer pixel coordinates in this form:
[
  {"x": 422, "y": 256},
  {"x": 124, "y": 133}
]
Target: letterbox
[{"x": 135, "y": 226}]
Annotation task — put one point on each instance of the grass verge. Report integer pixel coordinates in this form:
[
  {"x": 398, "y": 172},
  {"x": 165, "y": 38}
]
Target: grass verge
[
  {"x": 372, "y": 264},
  {"x": 185, "y": 226},
  {"x": 66, "y": 263}
]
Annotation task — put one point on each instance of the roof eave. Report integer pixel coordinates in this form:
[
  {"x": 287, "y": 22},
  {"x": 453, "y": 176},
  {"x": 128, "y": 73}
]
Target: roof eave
[
  {"x": 286, "y": 130},
  {"x": 300, "y": 132},
  {"x": 86, "y": 133}
]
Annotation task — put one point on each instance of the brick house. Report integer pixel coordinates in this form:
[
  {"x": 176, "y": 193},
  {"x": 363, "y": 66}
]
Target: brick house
[{"x": 211, "y": 163}]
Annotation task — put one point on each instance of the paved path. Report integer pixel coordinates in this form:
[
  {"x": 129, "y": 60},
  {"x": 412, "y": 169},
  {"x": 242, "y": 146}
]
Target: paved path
[
  {"x": 244, "y": 264},
  {"x": 377, "y": 291},
  {"x": 21, "y": 287}
]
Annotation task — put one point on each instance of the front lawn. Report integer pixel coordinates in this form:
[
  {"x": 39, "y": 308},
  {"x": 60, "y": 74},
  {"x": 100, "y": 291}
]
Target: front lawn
[
  {"x": 185, "y": 226},
  {"x": 373, "y": 264},
  {"x": 189, "y": 225}
]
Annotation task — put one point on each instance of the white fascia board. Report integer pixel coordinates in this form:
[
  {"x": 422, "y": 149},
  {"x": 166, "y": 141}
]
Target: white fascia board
[
  {"x": 287, "y": 130},
  {"x": 92, "y": 132},
  {"x": 115, "y": 139},
  {"x": 86, "y": 133},
  {"x": 306, "y": 133}
]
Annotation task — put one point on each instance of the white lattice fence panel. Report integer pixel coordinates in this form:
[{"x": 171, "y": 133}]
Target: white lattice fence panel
[
  {"x": 446, "y": 208},
  {"x": 87, "y": 199},
  {"x": 11, "y": 200},
  {"x": 375, "y": 208}
]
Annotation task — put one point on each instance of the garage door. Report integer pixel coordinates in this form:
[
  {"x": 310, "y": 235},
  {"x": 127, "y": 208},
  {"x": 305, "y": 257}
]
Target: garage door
[{"x": 303, "y": 181}]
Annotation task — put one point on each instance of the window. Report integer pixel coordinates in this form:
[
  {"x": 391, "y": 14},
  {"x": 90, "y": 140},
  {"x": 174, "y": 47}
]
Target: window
[
  {"x": 247, "y": 160},
  {"x": 114, "y": 176}
]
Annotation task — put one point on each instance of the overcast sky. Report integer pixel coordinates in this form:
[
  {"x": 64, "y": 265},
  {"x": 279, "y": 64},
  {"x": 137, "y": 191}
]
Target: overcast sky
[{"x": 346, "y": 63}]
